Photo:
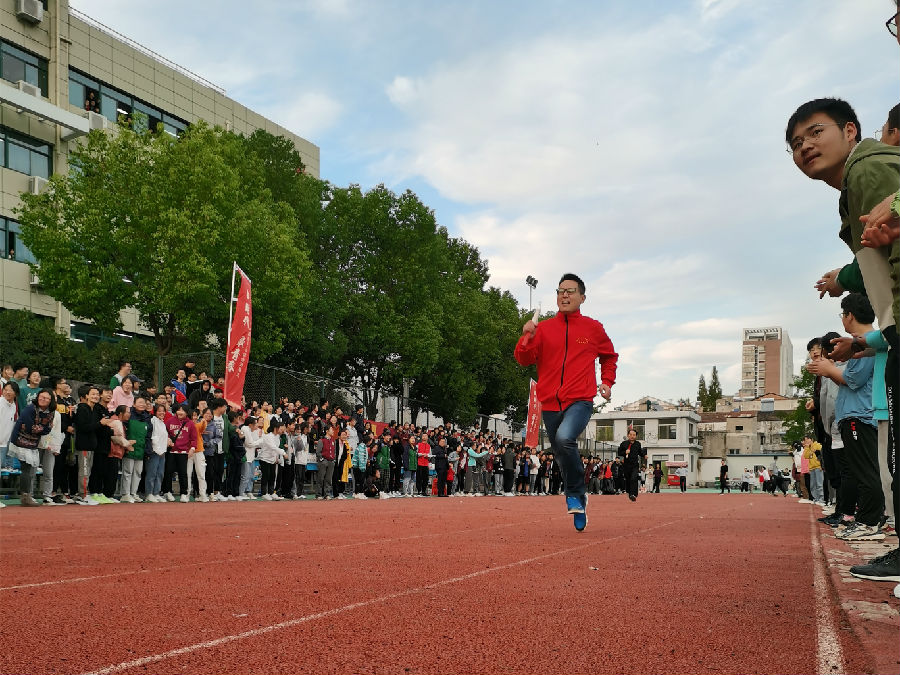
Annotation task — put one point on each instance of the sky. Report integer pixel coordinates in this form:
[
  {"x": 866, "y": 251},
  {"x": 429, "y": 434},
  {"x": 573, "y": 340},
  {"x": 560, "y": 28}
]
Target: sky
[{"x": 638, "y": 144}]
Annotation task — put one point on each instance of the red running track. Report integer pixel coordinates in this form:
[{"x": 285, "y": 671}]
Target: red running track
[{"x": 696, "y": 583}]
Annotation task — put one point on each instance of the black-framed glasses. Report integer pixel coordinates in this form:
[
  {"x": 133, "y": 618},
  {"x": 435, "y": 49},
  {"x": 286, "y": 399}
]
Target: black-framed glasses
[
  {"x": 812, "y": 133},
  {"x": 891, "y": 25},
  {"x": 566, "y": 291}
]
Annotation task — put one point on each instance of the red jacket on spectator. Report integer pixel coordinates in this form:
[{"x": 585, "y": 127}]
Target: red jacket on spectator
[{"x": 184, "y": 436}]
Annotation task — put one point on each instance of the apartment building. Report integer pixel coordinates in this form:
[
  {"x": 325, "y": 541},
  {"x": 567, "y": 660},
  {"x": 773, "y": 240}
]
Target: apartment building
[{"x": 767, "y": 362}]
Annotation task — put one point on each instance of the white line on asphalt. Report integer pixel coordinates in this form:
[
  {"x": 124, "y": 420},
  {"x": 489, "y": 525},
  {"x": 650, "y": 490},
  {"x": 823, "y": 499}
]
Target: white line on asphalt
[{"x": 829, "y": 656}]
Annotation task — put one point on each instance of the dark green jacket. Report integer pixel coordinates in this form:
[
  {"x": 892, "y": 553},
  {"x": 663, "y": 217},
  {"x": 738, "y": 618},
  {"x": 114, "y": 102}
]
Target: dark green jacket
[{"x": 871, "y": 174}]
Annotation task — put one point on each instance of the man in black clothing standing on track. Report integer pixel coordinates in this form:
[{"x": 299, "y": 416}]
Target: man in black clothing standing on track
[
  {"x": 632, "y": 455},
  {"x": 723, "y": 478}
]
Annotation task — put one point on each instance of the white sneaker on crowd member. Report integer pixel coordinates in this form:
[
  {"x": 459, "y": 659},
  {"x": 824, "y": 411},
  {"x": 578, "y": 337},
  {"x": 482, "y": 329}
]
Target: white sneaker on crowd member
[
  {"x": 112, "y": 500},
  {"x": 137, "y": 500},
  {"x": 127, "y": 499},
  {"x": 184, "y": 499},
  {"x": 48, "y": 501},
  {"x": 2, "y": 505},
  {"x": 267, "y": 497},
  {"x": 277, "y": 498},
  {"x": 204, "y": 498},
  {"x": 223, "y": 498},
  {"x": 68, "y": 500},
  {"x": 897, "y": 591},
  {"x": 170, "y": 497},
  {"x": 804, "y": 501}
]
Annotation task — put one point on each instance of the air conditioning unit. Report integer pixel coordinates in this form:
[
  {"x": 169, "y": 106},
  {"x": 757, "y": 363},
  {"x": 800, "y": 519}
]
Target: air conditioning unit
[
  {"x": 28, "y": 88},
  {"x": 30, "y": 11},
  {"x": 34, "y": 281},
  {"x": 97, "y": 121},
  {"x": 36, "y": 184}
]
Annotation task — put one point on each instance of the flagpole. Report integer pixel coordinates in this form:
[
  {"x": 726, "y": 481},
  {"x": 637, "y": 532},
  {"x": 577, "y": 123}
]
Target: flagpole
[{"x": 231, "y": 300}]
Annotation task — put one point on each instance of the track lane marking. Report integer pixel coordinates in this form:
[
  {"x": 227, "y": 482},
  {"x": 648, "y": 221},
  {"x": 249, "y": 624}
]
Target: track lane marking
[
  {"x": 180, "y": 651},
  {"x": 829, "y": 656},
  {"x": 260, "y": 556}
]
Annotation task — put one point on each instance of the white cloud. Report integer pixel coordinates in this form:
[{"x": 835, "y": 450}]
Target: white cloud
[{"x": 307, "y": 113}]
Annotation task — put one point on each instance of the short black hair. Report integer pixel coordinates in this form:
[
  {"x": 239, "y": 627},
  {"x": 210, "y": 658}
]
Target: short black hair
[
  {"x": 815, "y": 342},
  {"x": 893, "y": 119},
  {"x": 837, "y": 109},
  {"x": 825, "y": 341},
  {"x": 859, "y": 306},
  {"x": 573, "y": 277},
  {"x": 85, "y": 389}
]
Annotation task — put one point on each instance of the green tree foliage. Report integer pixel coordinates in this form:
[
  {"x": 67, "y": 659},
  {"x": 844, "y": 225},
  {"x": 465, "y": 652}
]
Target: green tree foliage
[
  {"x": 799, "y": 423},
  {"x": 31, "y": 340},
  {"x": 702, "y": 392},
  {"x": 707, "y": 396},
  {"x": 715, "y": 389},
  {"x": 153, "y": 222}
]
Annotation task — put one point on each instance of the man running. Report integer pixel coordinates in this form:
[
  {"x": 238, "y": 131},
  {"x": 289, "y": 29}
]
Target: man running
[{"x": 565, "y": 349}]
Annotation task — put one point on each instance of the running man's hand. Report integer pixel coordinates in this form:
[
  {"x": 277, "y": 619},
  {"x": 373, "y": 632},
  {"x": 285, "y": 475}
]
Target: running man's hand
[
  {"x": 829, "y": 284},
  {"x": 882, "y": 225},
  {"x": 529, "y": 329},
  {"x": 605, "y": 392}
]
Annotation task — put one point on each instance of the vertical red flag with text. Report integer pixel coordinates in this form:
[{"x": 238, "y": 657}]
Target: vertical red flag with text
[
  {"x": 533, "y": 427},
  {"x": 238, "y": 354}
]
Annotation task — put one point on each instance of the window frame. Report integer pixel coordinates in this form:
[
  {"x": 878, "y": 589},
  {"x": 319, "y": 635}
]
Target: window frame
[
  {"x": 10, "y": 137},
  {"x": 39, "y": 63}
]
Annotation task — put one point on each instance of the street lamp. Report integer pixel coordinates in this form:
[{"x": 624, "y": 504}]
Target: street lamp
[{"x": 532, "y": 284}]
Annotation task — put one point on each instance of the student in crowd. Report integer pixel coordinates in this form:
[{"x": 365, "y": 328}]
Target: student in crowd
[
  {"x": 183, "y": 434},
  {"x": 34, "y": 422}
]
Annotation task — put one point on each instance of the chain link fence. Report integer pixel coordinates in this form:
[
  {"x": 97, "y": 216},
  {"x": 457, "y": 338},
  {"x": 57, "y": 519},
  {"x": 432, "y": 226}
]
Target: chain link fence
[{"x": 271, "y": 384}]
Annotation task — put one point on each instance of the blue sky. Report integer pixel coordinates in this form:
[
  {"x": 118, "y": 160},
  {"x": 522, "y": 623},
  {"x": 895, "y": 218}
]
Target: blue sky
[{"x": 638, "y": 144}]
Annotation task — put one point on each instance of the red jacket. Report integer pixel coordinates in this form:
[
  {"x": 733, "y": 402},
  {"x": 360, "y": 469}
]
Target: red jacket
[{"x": 565, "y": 348}]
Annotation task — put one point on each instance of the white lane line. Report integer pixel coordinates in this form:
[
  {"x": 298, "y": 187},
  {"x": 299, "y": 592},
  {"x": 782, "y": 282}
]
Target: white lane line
[
  {"x": 258, "y": 556},
  {"x": 829, "y": 656},
  {"x": 155, "y": 658}
]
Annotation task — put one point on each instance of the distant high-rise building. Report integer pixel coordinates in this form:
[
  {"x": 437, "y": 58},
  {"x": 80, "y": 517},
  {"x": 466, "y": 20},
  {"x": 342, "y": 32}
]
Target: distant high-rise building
[{"x": 767, "y": 362}]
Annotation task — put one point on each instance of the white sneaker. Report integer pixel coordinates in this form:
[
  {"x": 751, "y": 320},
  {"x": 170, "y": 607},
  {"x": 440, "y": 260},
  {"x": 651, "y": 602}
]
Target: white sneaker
[
  {"x": 112, "y": 500},
  {"x": 277, "y": 498},
  {"x": 137, "y": 500},
  {"x": 170, "y": 497},
  {"x": 222, "y": 498},
  {"x": 204, "y": 498},
  {"x": 48, "y": 501},
  {"x": 184, "y": 499},
  {"x": 240, "y": 498},
  {"x": 267, "y": 497},
  {"x": 2, "y": 505},
  {"x": 127, "y": 499},
  {"x": 804, "y": 501},
  {"x": 896, "y": 588}
]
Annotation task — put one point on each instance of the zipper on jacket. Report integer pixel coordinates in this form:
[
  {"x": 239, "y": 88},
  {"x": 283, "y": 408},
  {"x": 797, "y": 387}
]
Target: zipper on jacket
[{"x": 562, "y": 373}]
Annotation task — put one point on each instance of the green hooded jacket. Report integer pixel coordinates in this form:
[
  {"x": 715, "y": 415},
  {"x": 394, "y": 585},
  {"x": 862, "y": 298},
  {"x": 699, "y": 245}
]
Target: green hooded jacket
[{"x": 872, "y": 173}]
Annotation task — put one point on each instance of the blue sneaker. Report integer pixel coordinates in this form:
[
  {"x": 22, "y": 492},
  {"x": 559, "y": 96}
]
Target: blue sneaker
[{"x": 576, "y": 506}]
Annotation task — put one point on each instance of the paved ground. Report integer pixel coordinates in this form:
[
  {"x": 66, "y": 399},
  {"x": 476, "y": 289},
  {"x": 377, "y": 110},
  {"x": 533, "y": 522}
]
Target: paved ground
[{"x": 695, "y": 583}]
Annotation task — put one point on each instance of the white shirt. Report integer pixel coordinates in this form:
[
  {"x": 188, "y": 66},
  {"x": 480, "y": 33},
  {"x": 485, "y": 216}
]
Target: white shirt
[
  {"x": 251, "y": 441},
  {"x": 159, "y": 435},
  {"x": 7, "y": 420}
]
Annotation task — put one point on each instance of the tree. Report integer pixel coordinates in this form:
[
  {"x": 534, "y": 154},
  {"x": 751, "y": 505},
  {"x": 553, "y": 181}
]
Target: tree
[
  {"x": 702, "y": 393},
  {"x": 715, "y": 389},
  {"x": 153, "y": 222},
  {"x": 799, "y": 423}
]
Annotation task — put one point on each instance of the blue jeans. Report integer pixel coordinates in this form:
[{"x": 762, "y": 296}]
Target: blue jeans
[
  {"x": 564, "y": 428},
  {"x": 153, "y": 472}
]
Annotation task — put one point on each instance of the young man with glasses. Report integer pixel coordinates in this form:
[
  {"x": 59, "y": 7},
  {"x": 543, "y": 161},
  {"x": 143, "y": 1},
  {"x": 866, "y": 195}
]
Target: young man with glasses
[
  {"x": 565, "y": 349},
  {"x": 826, "y": 143}
]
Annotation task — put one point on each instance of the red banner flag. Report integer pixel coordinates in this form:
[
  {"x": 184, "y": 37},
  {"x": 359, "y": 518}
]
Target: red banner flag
[
  {"x": 238, "y": 354},
  {"x": 533, "y": 428}
]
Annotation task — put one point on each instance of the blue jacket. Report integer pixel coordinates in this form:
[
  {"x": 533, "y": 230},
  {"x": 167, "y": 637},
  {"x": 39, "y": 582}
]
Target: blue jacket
[{"x": 854, "y": 399}]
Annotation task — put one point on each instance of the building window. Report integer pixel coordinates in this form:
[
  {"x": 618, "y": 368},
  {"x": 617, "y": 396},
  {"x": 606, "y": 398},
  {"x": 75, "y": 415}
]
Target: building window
[
  {"x": 11, "y": 246},
  {"x": 25, "y": 154},
  {"x": 638, "y": 426},
  {"x": 659, "y": 458},
  {"x": 679, "y": 458},
  {"x": 732, "y": 451},
  {"x": 90, "y": 94},
  {"x": 84, "y": 92},
  {"x": 668, "y": 429},
  {"x": 739, "y": 427},
  {"x": 604, "y": 430},
  {"x": 16, "y": 64}
]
